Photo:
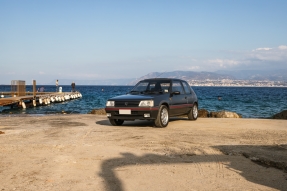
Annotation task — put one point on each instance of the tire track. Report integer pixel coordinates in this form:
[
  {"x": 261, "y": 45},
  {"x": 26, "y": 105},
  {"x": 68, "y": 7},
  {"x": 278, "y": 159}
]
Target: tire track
[{"x": 219, "y": 163}]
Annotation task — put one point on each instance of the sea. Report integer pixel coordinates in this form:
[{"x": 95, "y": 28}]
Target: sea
[{"x": 249, "y": 102}]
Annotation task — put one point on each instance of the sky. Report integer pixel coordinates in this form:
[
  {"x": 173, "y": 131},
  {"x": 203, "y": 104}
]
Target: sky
[{"x": 92, "y": 39}]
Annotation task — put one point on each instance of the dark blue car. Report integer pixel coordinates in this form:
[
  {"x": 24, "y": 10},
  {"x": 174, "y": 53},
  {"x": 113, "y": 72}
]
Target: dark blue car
[{"x": 155, "y": 99}]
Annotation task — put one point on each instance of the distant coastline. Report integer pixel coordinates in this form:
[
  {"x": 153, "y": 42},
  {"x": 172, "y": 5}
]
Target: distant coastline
[
  {"x": 242, "y": 83},
  {"x": 237, "y": 83},
  {"x": 244, "y": 78}
]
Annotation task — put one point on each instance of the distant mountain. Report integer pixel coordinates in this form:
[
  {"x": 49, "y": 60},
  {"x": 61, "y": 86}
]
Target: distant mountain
[
  {"x": 185, "y": 75},
  {"x": 271, "y": 75}
]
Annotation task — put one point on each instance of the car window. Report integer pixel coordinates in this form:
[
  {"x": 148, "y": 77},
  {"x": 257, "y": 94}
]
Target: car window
[
  {"x": 165, "y": 87},
  {"x": 186, "y": 88},
  {"x": 162, "y": 87},
  {"x": 142, "y": 86},
  {"x": 176, "y": 86},
  {"x": 151, "y": 87}
]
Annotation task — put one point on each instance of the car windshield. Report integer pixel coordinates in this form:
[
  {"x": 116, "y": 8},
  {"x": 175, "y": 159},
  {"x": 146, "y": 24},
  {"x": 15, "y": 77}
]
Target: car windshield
[{"x": 151, "y": 87}]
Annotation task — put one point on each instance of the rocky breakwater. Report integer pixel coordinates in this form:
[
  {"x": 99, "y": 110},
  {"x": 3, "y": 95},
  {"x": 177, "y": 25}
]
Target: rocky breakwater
[
  {"x": 281, "y": 115},
  {"x": 217, "y": 114},
  {"x": 98, "y": 111}
]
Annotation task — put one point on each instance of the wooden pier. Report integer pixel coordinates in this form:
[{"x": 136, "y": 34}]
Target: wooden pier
[
  {"x": 40, "y": 98},
  {"x": 18, "y": 97}
]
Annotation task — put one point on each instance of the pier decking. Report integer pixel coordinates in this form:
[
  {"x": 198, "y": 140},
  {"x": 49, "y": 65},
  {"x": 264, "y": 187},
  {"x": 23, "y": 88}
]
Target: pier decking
[{"x": 40, "y": 98}]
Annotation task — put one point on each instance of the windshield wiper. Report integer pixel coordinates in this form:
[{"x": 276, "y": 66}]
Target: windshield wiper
[
  {"x": 146, "y": 92},
  {"x": 152, "y": 92},
  {"x": 133, "y": 91}
]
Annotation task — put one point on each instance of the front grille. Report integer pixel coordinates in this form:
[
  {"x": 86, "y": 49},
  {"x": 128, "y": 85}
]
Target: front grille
[{"x": 127, "y": 103}]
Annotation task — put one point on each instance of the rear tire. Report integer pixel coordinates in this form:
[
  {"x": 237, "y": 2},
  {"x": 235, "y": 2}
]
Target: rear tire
[
  {"x": 162, "y": 117},
  {"x": 193, "y": 113},
  {"x": 116, "y": 122}
]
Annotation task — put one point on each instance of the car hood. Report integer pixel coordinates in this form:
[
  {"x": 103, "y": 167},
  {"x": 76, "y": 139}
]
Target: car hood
[{"x": 134, "y": 97}]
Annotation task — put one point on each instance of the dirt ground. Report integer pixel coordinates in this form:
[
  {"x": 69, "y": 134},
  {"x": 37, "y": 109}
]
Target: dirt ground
[{"x": 84, "y": 152}]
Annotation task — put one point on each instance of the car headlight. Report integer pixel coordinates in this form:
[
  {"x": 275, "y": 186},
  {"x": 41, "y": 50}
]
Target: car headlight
[
  {"x": 146, "y": 103},
  {"x": 110, "y": 103}
]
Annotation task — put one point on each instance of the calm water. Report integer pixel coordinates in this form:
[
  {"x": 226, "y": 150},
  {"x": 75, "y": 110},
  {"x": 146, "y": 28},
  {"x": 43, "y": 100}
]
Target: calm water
[{"x": 250, "y": 102}]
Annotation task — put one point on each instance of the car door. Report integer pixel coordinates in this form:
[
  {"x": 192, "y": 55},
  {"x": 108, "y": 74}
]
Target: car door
[
  {"x": 189, "y": 95},
  {"x": 178, "y": 99}
]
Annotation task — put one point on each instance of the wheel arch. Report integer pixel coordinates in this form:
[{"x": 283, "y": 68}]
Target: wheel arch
[{"x": 164, "y": 103}]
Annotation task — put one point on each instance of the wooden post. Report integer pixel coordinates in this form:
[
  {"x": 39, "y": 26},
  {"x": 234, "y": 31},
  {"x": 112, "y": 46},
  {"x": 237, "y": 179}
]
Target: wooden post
[
  {"x": 34, "y": 89},
  {"x": 34, "y": 93}
]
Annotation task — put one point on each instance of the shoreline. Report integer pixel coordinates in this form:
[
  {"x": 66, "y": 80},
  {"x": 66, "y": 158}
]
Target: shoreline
[
  {"x": 66, "y": 114},
  {"x": 90, "y": 113}
]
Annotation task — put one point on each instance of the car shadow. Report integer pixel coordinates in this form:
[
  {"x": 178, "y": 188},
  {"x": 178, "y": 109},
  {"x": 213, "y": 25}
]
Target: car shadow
[
  {"x": 113, "y": 182},
  {"x": 138, "y": 123}
]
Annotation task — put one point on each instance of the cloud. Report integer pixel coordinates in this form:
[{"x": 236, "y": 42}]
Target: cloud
[
  {"x": 282, "y": 47},
  {"x": 269, "y": 54},
  {"x": 266, "y": 58},
  {"x": 258, "y": 49},
  {"x": 223, "y": 63},
  {"x": 194, "y": 68}
]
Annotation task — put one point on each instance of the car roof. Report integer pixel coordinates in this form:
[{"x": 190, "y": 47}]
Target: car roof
[{"x": 161, "y": 79}]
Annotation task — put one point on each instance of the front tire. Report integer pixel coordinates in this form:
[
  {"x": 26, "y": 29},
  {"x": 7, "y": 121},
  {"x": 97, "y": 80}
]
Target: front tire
[
  {"x": 193, "y": 113},
  {"x": 162, "y": 117},
  {"x": 116, "y": 122}
]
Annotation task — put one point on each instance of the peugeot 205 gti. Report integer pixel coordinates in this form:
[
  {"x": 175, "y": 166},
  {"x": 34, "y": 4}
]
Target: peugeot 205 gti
[{"x": 155, "y": 99}]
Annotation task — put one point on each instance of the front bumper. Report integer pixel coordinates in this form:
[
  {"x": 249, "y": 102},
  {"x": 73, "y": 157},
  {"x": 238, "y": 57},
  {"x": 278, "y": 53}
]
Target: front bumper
[{"x": 148, "y": 113}]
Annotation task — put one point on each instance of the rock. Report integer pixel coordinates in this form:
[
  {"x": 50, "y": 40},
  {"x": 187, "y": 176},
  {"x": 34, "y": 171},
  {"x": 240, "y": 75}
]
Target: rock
[
  {"x": 224, "y": 114},
  {"x": 203, "y": 113},
  {"x": 281, "y": 115},
  {"x": 98, "y": 112}
]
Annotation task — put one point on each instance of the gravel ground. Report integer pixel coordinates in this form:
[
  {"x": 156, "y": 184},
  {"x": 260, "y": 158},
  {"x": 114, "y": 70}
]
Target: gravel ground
[{"x": 84, "y": 152}]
